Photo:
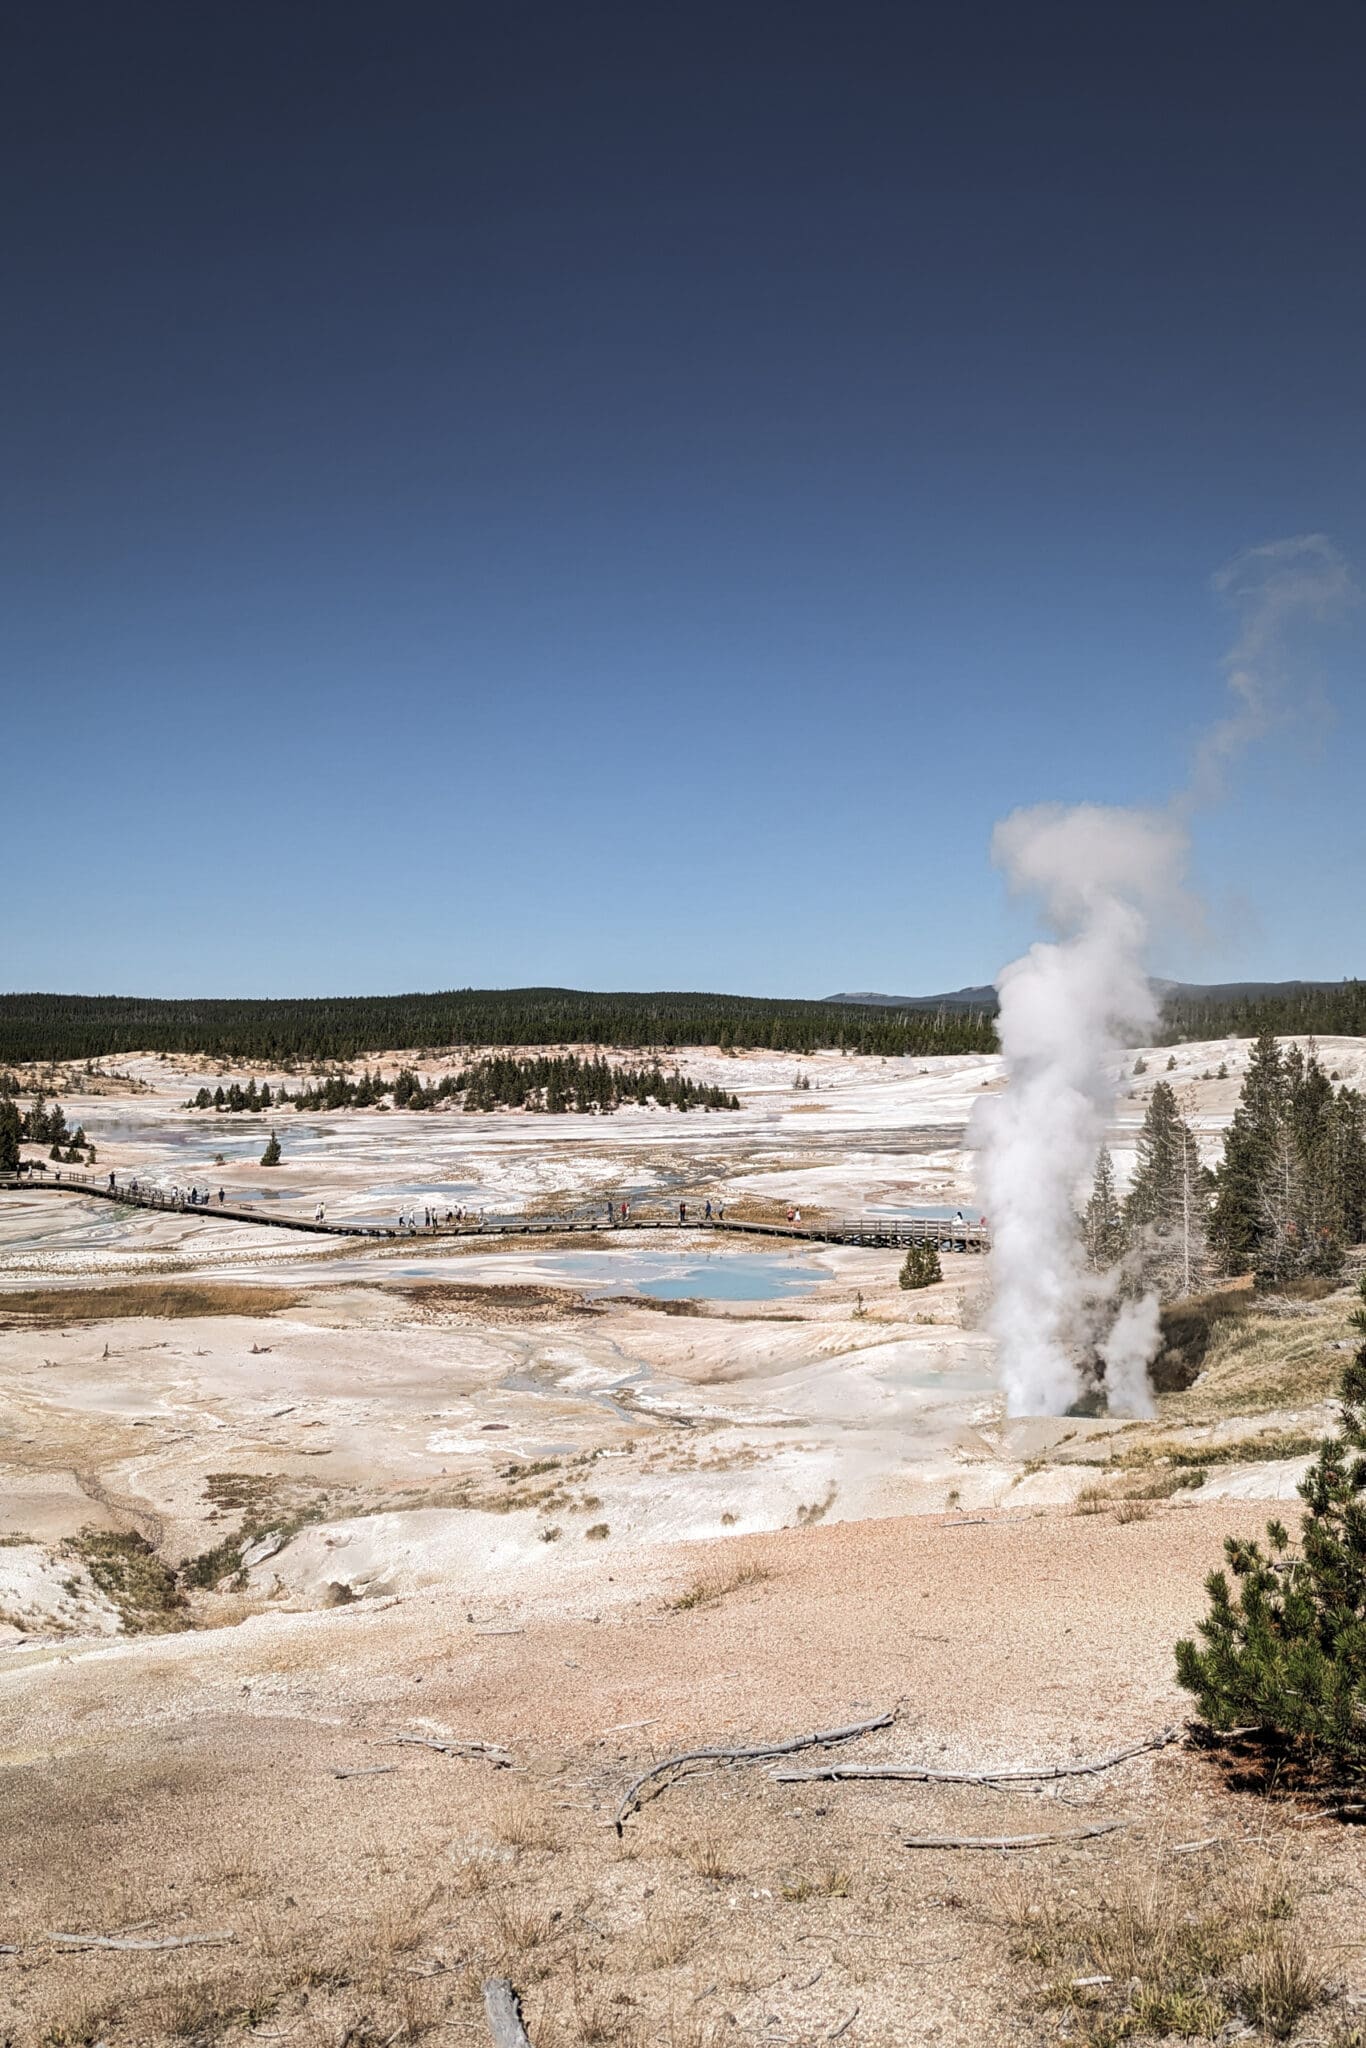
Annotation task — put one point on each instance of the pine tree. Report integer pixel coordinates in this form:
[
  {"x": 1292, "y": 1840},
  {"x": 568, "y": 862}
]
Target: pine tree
[
  {"x": 1103, "y": 1221},
  {"x": 10, "y": 1128},
  {"x": 1301, "y": 1216},
  {"x": 1349, "y": 1163},
  {"x": 1165, "y": 1216},
  {"x": 271, "y": 1155},
  {"x": 1288, "y": 1653},
  {"x": 921, "y": 1267},
  {"x": 1249, "y": 1152}
]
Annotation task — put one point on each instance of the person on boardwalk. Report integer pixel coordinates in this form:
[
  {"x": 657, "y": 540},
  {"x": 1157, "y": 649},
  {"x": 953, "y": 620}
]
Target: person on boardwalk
[
  {"x": 611, "y": 1213},
  {"x": 111, "y": 1183},
  {"x": 220, "y": 1198},
  {"x": 682, "y": 1212},
  {"x": 708, "y": 1212}
]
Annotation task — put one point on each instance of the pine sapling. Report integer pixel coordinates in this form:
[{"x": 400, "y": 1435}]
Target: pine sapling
[{"x": 1284, "y": 1647}]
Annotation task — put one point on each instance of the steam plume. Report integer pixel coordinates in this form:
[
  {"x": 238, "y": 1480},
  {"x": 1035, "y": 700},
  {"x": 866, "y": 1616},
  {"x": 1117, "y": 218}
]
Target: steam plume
[
  {"x": 1105, "y": 880},
  {"x": 1103, "y": 877},
  {"x": 1270, "y": 589}
]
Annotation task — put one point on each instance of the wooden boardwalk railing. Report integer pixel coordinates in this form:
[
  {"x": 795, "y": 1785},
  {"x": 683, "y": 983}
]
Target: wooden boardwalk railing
[{"x": 881, "y": 1231}]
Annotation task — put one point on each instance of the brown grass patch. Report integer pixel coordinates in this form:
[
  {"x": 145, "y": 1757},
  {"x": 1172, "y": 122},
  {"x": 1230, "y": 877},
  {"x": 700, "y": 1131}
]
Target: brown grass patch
[
  {"x": 1163, "y": 1951},
  {"x": 129, "y": 1573},
  {"x": 1258, "y": 1361},
  {"x": 438, "y": 1300},
  {"x": 821, "y": 1884},
  {"x": 31, "y": 1308},
  {"x": 709, "y": 1587}
]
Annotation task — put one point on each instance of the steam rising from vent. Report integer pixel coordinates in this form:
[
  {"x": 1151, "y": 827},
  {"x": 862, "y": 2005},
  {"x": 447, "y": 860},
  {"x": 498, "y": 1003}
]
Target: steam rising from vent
[{"x": 1104, "y": 878}]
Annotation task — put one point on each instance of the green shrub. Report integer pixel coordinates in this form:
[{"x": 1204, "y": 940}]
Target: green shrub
[
  {"x": 921, "y": 1267},
  {"x": 1287, "y": 1652}
]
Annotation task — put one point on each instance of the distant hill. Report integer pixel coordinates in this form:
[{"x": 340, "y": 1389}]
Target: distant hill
[
  {"x": 956, "y": 999},
  {"x": 305, "y": 1031},
  {"x": 1192, "y": 1009}
]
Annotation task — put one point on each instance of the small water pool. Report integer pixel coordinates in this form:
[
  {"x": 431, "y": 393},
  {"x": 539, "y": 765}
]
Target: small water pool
[{"x": 684, "y": 1276}]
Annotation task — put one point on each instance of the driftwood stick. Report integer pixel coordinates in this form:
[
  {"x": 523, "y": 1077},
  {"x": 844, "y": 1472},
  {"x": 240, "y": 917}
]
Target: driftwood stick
[
  {"x": 367, "y": 1771},
  {"x": 755, "y": 1753},
  {"x": 450, "y": 1745},
  {"x": 503, "y": 2011},
  {"x": 920, "y": 1774},
  {"x": 1008, "y": 1841},
  {"x": 142, "y": 1942}
]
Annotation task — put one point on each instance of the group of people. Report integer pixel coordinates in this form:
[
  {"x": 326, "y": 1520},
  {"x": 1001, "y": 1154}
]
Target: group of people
[
  {"x": 410, "y": 1221},
  {"x": 193, "y": 1197},
  {"x": 715, "y": 1212}
]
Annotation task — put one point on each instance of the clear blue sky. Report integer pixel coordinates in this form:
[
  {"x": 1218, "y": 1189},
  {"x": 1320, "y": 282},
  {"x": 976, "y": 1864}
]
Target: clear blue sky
[{"x": 626, "y": 495}]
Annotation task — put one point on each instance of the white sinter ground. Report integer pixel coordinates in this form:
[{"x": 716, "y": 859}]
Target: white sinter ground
[{"x": 798, "y": 1383}]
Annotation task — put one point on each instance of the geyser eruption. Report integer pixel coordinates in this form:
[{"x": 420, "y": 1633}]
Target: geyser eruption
[{"x": 1104, "y": 877}]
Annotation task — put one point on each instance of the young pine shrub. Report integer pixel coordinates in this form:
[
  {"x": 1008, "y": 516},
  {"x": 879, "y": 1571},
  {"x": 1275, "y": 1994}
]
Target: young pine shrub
[
  {"x": 921, "y": 1267},
  {"x": 1286, "y": 1651}
]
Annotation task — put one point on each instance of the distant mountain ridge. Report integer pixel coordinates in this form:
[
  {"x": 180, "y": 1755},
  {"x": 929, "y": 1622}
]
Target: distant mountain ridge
[
  {"x": 955, "y": 999},
  {"x": 984, "y": 998}
]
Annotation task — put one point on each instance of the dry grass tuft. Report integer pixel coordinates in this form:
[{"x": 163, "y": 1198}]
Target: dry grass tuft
[
  {"x": 669, "y": 1937},
  {"x": 712, "y": 1854},
  {"x": 129, "y": 1573},
  {"x": 1168, "y": 1953},
  {"x": 824, "y": 1884},
  {"x": 522, "y": 1824},
  {"x": 709, "y": 1587}
]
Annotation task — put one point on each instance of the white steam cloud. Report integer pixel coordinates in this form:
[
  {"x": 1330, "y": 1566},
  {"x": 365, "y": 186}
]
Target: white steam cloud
[
  {"x": 1107, "y": 880},
  {"x": 1104, "y": 878},
  {"x": 1271, "y": 589}
]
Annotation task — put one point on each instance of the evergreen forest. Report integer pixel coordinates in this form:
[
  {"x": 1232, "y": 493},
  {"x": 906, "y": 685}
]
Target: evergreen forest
[
  {"x": 553, "y": 1085},
  {"x": 287, "y": 1031},
  {"x": 1286, "y": 1201},
  {"x": 43, "y": 1123}
]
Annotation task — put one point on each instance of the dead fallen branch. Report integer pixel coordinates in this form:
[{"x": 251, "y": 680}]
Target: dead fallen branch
[
  {"x": 920, "y": 1774},
  {"x": 143, "y": 1941},
  {"x": 449, "y": 1746},
  {"x": 1009, "y": 1841},
  {"x": 503, "y": 2011},
  {"x": 367, "y": 1771},
  {"x": 755, "y": 1753}
]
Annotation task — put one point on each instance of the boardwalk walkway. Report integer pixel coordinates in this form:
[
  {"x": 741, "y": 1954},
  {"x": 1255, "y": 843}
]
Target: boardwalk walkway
[{"x": 865, "y": 1230}]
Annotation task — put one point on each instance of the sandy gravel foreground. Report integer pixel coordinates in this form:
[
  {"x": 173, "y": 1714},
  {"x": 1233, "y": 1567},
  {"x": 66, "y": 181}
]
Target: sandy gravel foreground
[{"x": 190, "y": 1782}]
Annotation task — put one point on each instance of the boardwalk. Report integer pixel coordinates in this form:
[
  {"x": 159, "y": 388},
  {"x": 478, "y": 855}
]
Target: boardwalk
[{"x": 888, "y": 1231}]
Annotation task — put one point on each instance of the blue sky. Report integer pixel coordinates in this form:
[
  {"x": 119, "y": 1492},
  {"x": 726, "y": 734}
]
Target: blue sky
[{"x": 627, "y": 497}]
